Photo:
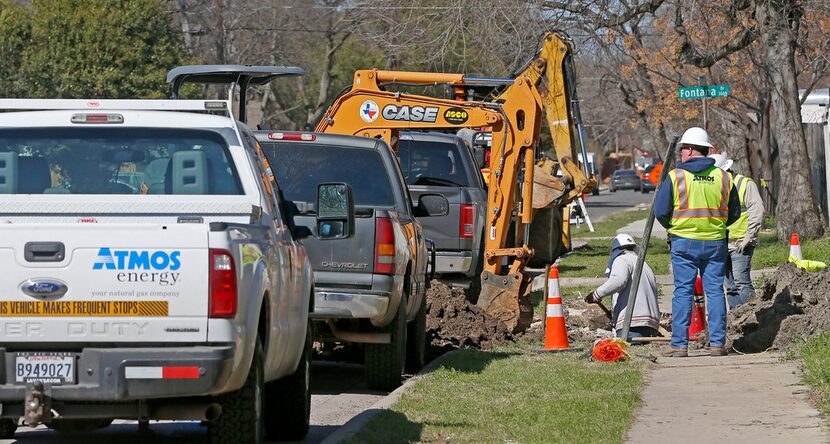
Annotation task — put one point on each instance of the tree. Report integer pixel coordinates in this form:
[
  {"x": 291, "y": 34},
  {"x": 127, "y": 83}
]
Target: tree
[
  {"x": 16, "y": 31},
  {"x": 97, "y": 48},
  {"x": 776, "y": 25}
]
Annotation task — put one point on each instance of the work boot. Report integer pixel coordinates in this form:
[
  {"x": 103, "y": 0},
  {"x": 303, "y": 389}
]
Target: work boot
[
  {"x": 671, "y": 352},
  {"x": 718, "y": 351}
]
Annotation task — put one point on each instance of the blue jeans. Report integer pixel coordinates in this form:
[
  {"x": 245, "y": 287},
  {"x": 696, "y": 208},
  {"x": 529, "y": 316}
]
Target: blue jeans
[
  {"x": 738, "y": 281},
  {"x": 687, "y": 257}
]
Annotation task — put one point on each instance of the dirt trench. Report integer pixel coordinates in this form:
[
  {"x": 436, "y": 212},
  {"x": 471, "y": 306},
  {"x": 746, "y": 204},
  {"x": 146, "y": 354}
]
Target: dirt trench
[
  {"x": 792, "y": 304},
  {"x": 453, "y": 322}
]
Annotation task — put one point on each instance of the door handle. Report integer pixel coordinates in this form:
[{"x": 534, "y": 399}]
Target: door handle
[{"x": 44, "y": 251}]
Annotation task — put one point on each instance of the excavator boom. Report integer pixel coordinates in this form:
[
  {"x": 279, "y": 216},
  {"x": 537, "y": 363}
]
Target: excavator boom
[{"x": 544, "y": 85}]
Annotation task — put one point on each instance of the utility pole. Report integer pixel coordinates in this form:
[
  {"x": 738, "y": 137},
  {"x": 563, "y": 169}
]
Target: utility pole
[{"x": 702, "y": 82}]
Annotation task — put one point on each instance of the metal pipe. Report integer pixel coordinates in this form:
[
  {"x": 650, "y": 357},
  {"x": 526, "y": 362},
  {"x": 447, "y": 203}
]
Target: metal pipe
[
  {"x": 364, "y": 338},
  {"x": 641, "y": 256},
  {"x": 487, "y": 81},
  {"x": 426, "y": 78},
  {"x": 186, "y": 411}
]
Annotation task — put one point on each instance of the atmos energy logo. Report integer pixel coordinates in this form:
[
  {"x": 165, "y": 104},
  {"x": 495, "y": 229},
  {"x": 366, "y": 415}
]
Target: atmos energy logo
[
  {"x": 369, "y": 111},
  {"x": 141, "y": 265}
]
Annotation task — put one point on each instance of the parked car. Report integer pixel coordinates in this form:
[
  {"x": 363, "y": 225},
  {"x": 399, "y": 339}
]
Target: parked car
[
  {"x": 369, "y": 288},
  {"x": 436, "y": 163},
  {"x": 182, "y": 292},
  {"x": 624, "y": 180},
  {"x": 645, "y": 184}
]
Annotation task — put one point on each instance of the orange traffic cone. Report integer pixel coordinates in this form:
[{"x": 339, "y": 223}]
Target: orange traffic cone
[
  {"x": 556, "y": 335},
  {"x": 795, "y": 247},
  {"x": 697, "y": 323}
]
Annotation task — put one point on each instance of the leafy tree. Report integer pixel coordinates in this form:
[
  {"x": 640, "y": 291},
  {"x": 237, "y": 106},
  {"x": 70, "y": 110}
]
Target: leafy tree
[
  {"x": 15, "y": 32},
  {"x": 94, "y": 48}
]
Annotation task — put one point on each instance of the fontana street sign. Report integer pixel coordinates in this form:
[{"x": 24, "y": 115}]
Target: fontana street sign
[{"x": 703, "y": 92}]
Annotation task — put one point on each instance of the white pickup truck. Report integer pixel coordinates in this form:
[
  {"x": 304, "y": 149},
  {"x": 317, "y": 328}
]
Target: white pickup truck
[{"x": 149, "y": 272}]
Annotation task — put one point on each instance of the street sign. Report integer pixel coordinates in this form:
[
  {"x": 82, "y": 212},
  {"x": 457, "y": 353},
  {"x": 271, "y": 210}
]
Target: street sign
[{"x": 703, "y": 92}]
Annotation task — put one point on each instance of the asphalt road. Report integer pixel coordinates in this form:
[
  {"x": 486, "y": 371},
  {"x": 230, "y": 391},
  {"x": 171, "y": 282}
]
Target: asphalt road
[
  {"x": 608, "y": 203},
  {"x": 339, "y": 394}
]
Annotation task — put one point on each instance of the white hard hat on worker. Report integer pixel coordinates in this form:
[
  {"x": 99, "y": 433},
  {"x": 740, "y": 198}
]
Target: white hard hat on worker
[
  {"x": 722, "y": 161},
  {"x": 696, "y": 136}
]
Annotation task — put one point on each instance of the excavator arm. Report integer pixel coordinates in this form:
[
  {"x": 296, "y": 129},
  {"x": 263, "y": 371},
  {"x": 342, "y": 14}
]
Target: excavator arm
[
  {"x": 552, "y": 72},
  {"x": 371, "y": 111}
]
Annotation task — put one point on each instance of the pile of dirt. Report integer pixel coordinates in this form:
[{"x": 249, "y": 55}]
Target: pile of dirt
[
  {"x": 452, "y": 322},
  {"x": 792, "y": 304}
]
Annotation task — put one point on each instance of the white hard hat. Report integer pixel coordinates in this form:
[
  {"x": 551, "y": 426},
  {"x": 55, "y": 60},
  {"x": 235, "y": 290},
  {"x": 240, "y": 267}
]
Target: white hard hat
[
  {"x": 622, "y": 240},
  {"x": 722, "y": 161},
  {"x": 696, "y": 136}
]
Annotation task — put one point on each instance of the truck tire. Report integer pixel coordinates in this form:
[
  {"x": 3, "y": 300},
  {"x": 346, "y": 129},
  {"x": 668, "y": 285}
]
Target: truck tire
[
  {"x": 416, "y": 333},
  {"x": 288, "y": 400},
  {"x": 7, "y": 428},
  {"x": 385, "y": 363},
  {"x": 475, "y": 281},
  {"x": 241, "y": 420},
  {"x": 77, "y": 426}
]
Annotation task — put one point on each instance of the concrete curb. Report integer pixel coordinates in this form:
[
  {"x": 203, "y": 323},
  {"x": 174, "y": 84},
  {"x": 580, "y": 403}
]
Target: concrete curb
[{"x": 352, "y": 426}]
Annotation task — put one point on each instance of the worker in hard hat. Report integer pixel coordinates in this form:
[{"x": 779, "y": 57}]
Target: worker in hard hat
[
  {"x": 743, "y": 234},
  {"x": 645, "y": 318},
  {"x": 695, "y": 206}
]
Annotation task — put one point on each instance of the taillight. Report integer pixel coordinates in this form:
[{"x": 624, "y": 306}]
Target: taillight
[
  {"x": 384, "y": 246},
  {"x": 304, "y": 137},
  {"x": 465, "y": 228},
  {"x": 222, "y": 284},
  {"x": 97, "y": 118}
]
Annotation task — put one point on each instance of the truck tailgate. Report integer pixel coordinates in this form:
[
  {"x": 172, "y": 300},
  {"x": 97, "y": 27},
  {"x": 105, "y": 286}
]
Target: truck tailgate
[{"x": 113, "y": 283}]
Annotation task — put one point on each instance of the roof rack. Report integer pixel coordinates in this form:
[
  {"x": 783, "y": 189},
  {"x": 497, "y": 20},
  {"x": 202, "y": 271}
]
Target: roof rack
[
  {"x": 114, "y": 104},
  {"x": 242, "y": 75}
]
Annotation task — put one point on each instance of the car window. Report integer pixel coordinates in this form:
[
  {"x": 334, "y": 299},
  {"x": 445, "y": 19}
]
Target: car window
[
  {"x": 300, "y": 167},
  {"x": 431, "y": 163},
  {"x": 115, "y": 161}
]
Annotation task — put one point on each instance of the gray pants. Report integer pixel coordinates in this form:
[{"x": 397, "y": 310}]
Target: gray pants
[{"x": 738, "y": 281}]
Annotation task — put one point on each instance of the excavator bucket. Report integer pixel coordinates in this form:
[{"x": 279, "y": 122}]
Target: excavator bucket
[
  {"x": 547, "y": 188},
  {"x": 507, "y": 298}
]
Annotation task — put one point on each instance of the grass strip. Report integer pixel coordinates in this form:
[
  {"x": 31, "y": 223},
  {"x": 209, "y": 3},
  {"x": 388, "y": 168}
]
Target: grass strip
[
  {"x": 608, "y": 227},
  {"x": 510, "y": 395},
  {"x": 815, "y": 359},
  {"x": 591, "y": 260}
]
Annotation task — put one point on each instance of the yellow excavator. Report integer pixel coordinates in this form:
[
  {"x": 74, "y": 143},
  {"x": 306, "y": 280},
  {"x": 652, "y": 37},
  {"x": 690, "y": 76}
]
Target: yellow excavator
[{"x": 517, "y": 185}]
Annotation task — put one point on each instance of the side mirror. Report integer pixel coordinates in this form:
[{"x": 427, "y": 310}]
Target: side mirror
[
  {"x": 432, "y": 205},
  {"x": 335, "y": 211}
]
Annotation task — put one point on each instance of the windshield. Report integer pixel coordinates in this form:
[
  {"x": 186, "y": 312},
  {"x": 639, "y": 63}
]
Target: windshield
[
  {"x": 300, "y": 167},
  {"x": 115, "y": 161},
  {"x": 431, "y": 163},
  {"x": 626, "y": 173}
]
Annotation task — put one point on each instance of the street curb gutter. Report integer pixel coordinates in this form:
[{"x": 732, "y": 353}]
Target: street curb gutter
[{"x": 354, "y": 425}]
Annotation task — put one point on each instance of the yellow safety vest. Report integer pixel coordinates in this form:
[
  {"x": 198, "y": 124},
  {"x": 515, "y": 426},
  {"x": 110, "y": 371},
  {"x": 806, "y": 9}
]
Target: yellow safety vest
[
  {"x": 738, "y": 228},
  {"x": 701, "y": 203}
]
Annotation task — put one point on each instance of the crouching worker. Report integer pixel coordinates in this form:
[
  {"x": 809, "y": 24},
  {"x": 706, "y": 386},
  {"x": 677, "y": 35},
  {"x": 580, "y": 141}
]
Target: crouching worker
[{"x": 620, "y": 272}]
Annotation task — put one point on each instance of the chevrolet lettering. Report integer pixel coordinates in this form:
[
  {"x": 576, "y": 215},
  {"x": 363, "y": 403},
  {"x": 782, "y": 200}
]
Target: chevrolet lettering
[
  {"x": 346, "y": 265},
  {"x": 407, "y": 113}
]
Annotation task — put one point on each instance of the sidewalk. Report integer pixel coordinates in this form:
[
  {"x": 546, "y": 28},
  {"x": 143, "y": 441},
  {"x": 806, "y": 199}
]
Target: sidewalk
[
  {"x": 731, "y": 399},
  {"x": 635, "y": 230}
]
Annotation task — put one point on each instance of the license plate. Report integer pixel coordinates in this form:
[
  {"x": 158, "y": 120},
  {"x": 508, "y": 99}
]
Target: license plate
[{"x": 49, "y": 368}]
